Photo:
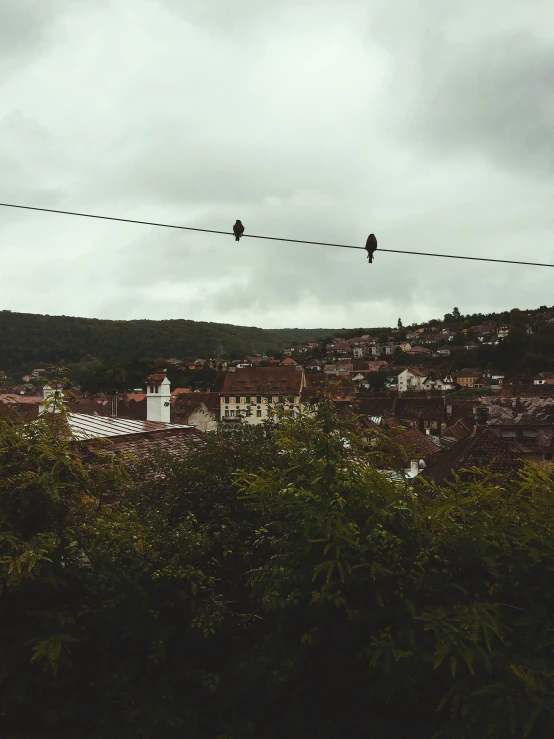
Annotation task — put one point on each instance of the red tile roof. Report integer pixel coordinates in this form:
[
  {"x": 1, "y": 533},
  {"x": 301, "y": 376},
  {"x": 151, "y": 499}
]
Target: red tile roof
[
  {"x": 156, "y": 380},
  {"x": 416, "y": 443},
  {"x": 484, "y": 450},
  {"x": 263, "y": 380},
  {"x": 188, "y": 403}
]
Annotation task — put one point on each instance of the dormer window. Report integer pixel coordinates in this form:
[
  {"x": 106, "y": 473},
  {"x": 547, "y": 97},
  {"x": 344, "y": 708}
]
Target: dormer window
[{"x": 157, "y": 388}]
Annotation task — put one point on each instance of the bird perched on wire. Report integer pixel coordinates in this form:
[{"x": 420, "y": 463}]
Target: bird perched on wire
[
  {"x": 371, "y": 246},
  {"x": 238, "y": 230}
]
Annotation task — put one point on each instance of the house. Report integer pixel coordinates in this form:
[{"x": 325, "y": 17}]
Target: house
[
  {"x": 482, "y": 449},
  {"x": 419, "y": 351},
  {"x": 251, "y": 392},
  {"x": 341, "y": 388},
  {"x": 314, "y": 366},
  {"x": 411, "y": 379},
  {"x": 141, "y": 438},
  {"x": 422, "y": 413},
  {"x": 503, "y": 332},
  {"x": 436, "y": 381},
  {"x": 288, "y": 362},
  {"x": 544, "y": 378},
  {"x": 525, "y": 424},
  {"x": 36, "y": 373},
  {"x": 467, "y": 377},
  {"x": 199, "y": 410},
  {"x": 471, "y": 345},
  {"x": 443, "y": 352}
]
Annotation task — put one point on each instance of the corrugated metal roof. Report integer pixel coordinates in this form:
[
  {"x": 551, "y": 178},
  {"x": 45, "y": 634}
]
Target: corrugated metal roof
[{"x": 84, "y": 426}]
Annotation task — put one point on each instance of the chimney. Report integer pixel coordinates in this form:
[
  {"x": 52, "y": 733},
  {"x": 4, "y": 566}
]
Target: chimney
[
  {"x": 158, "y": 398},
  {"x": 481, "y": 415}
]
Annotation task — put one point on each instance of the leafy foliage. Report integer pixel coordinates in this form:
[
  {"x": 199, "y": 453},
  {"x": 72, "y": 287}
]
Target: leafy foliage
[{"x": 271, "y": 584}]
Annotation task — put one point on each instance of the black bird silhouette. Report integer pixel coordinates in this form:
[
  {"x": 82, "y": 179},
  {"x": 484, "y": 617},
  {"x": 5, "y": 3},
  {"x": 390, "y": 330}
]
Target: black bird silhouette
[
  {"x": 371, "y": 246},
  {"x": 238, "y": 230}
]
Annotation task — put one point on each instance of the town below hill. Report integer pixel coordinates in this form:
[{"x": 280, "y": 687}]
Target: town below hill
[
  {"x": 432, "y": 381},
  {"x": 470, "y": 352}
]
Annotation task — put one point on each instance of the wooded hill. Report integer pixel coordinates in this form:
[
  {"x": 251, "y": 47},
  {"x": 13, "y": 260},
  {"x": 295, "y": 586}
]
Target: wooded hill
[{"x": 30, "y": 338}]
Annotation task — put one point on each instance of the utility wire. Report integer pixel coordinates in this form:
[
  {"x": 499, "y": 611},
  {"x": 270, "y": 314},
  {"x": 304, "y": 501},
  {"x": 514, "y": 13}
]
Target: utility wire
[{"x": 271, "y": 238}]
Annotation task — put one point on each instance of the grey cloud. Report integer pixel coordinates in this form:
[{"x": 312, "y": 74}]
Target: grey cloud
[
  {"x": 497, "y": 99},
  {"x": 314, "y": 120}
]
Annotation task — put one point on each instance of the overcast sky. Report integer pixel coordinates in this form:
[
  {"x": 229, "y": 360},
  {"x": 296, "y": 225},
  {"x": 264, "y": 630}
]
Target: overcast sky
[{"x": 427, "y": 122}]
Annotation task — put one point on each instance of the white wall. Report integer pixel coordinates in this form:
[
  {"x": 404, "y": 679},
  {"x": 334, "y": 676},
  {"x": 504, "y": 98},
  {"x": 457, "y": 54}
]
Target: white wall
[{"x": 158, "y": 406}]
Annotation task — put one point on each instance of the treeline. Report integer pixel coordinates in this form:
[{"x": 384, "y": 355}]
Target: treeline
[
  {"x": 271, "y": 584},
  {"x": 27, "y": 339},
  {"x": 93, "y": 376}
]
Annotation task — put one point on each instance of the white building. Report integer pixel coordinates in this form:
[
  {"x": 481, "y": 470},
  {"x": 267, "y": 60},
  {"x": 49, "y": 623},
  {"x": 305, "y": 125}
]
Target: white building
[
  {"x": 250, "y": 393},
  {"x": 158, "y": 398},
  {"x": 411, "y": 379}
]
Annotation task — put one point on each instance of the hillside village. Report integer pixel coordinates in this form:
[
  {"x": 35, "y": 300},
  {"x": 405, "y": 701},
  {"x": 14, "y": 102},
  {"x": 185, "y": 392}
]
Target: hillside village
[{"x": 406, "y": 382}]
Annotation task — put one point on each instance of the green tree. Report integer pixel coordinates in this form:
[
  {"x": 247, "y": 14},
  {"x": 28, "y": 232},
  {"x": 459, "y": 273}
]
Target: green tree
[{"x": 271, "y": 583}]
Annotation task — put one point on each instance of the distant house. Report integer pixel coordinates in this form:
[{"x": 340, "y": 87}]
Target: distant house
[
  {"x": 467, "y": 377},
  {"x": 471, "y": 345},
  {"x": 443, "y": 352},
  {"x": 314, "y": 366},
  {"x": 288, "y": 362},
  {"x": 544, "y": 378},
  {"x": 436, "y": 381},
  {"x": 411, "y": 379},
  {"x": 36, "y": 373}
]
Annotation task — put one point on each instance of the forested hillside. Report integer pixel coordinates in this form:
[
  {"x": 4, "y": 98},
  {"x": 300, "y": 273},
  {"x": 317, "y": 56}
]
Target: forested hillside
[{"x": 27, "y": 337}]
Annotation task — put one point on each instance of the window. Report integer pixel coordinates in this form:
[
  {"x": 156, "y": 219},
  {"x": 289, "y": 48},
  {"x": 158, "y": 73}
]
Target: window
[
  {"x": 232, "y": 414},
  {"x": 237, "y": 399},
  {"x": 157, "y": 388},
  {"x": 291, "y": 398},
  {"x": 247, "y": 399},
  {"x": 281, "y": 399},
  {"x": 227, "y": 400},
  {"x": 259, "y": 399},
  {"x": 226, "y": 414},
  {"x": 259, "y": 413}
]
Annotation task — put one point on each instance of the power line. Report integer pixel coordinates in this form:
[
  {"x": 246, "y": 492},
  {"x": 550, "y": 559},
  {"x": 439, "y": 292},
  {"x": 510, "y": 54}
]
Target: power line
[{"x": 271, "y": 238}]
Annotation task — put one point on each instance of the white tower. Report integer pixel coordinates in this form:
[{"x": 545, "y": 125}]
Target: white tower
[
  {"x": 52, "y": 394},
  {"x": 158, "y": 398}
]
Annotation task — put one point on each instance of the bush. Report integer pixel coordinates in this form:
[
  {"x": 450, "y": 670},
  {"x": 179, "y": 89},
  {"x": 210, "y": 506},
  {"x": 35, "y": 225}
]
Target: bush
[{"x": 271, "y": 584}]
